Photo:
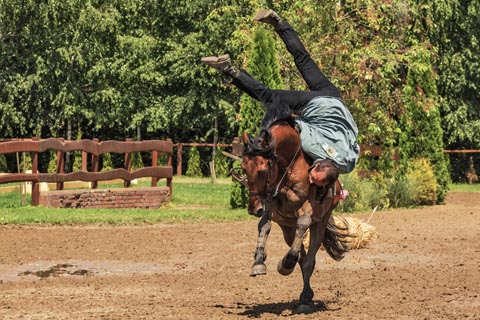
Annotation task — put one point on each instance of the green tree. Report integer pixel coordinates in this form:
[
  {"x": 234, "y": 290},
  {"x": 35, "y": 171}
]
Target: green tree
[
  {"x": 113, "y": 68},
  {"x": 191, "y": 92},
  {"x": 47, "y": 57},
  {"x": 263, "y": 66},
  {"x": 422, "y": 135},
  {"x": 456, "y": 35},
  {"x": 116, "y": 69},
  {"x": 378, "y": 54}
]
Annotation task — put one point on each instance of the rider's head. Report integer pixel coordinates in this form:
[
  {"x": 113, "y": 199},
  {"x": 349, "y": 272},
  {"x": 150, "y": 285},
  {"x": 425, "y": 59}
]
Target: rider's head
[{"x": 323, "y": 173}]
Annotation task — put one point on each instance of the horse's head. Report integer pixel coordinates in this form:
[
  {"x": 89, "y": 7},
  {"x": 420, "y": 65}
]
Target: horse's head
[{"x": 260, "y": 166}]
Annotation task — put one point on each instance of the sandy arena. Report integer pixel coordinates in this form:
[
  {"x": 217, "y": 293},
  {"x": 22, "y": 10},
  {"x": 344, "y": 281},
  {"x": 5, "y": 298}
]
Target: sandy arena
[{"x": 424, "y": 265}]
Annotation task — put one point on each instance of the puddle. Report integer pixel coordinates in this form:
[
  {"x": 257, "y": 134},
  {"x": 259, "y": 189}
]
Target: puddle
[
  {"x": 57, "y": 270},
  {"x": 40, "y": 270}
]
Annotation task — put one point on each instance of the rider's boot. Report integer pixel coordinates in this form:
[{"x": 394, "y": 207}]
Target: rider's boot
[
  {"x": 222, "y": 63},
  {"x": 268, "y": 16}
]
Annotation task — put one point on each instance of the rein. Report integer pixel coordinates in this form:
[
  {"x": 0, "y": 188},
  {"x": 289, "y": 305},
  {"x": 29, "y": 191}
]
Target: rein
[
  {"x": 271, "y": 195},
  {"x": 277, "y": 188},
  {"x": 268, "y": 193}
]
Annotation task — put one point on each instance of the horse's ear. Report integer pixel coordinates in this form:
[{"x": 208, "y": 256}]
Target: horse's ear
[{"x": 245, "y": 138}]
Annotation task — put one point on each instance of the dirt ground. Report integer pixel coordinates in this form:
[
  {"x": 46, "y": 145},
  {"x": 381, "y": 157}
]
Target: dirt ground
[{"x": 424, "y": 265}]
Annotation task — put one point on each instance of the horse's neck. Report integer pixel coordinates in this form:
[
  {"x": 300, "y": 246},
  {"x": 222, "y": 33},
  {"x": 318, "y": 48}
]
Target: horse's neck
[
  {"x": 292, "y": 166},
  {"x": 287, "y": 146}
]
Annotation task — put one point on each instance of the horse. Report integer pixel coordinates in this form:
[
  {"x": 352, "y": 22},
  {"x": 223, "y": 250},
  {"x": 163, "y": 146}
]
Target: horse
[{"x": 278, "y": 186}]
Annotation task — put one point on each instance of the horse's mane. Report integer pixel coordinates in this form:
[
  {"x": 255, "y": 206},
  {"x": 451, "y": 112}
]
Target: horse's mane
[
  {"x": 256, "y": 146},
  {"x": 276, "y": 111}
]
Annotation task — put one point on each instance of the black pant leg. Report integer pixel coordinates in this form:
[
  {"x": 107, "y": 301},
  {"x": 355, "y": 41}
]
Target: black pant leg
[
  {"x": 295, "y": 100},
  {"x": 253, "y": 87},
  {"x": 312, "y": 75}
]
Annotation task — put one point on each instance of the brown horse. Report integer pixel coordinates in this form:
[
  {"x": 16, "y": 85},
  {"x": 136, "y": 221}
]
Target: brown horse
[{"x": 279, "y": 190}]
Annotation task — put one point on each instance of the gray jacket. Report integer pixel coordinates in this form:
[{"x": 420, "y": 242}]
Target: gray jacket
[{"x": 328, "y": 131}]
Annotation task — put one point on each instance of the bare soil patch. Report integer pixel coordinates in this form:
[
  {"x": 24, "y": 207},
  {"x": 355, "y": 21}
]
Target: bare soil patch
[{"x": 424, "y": 265}]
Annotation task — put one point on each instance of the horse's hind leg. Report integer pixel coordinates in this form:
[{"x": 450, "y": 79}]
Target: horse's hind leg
[
  {"x": 287, "y": 264},
  {"x": 264, "y": 226},
  {"x": 307, "y": 265}
]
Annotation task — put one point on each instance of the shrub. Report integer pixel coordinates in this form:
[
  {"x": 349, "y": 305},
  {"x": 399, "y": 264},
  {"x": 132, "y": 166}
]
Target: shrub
[
  {"x": 193, "y": 166},
  {"x": 400, "y": 193},
  {"x": 238, "y": 193},
  {"x": 136, "y": 160},
  {"x": 364, "y": 194},
  {"x": 25, "y": 161},
  {"x": 52, "y": 163},
  {"x": 77, "y": 162},
  {"x": 351, "y": 183},
  {"x": 373, "y": 195},
  {"x": 222, "y": 164},
  {"x": 107, "y": 163},
  {"x": 3, "y": 163},
  {"x": 422, "y": 178}
]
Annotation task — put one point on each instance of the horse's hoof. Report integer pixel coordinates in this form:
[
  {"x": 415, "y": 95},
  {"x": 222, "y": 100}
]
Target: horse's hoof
[
  {"x": 258, "y": 270},
  {"x": 304, "y": 309},
  {"x": 283, "y": 271}
]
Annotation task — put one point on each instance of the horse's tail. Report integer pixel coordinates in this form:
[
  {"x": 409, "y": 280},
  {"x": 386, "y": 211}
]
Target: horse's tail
[{"x": 336, "y": 237}]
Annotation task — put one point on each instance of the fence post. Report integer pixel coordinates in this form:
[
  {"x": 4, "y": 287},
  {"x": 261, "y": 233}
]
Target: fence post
[
  {"x": 154, "y": 164},
  {"x": 127, "y": 164},
  {"x": 95, "y": 165},
  {"x": 170, "y": 163},
  {"x": 35, "y": 184},
  {"x": 179, "y": 159},
  {"x": 60, "y": 165}
]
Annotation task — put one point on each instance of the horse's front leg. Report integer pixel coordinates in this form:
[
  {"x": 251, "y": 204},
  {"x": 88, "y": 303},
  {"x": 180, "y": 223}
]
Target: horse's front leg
[
  {"x": 264, "y": 227},
  {"x": 287, "y": 264}
]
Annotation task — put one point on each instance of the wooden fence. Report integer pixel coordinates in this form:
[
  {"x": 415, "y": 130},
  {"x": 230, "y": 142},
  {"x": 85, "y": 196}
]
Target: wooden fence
[
  {"x": 92, "y": 149},
  {"x": 237, "y": 149}
]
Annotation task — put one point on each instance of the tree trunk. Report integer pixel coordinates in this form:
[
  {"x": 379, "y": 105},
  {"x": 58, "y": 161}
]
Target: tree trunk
[
  {"x": 139, "y": 132},
  {"x": 214, "y": 150}
]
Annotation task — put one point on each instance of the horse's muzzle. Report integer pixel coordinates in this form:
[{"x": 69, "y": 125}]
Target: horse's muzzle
[
  {"x": 255, "y": 204},
  {"x": 257, "y": 213},
  {"x": 255, "y": 207}
]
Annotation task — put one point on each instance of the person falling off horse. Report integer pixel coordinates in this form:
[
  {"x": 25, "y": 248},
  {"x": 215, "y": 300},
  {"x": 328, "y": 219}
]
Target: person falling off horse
[{"x": 327, "y": 128}]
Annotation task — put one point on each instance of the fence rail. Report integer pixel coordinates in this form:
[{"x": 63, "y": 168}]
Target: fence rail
[
  {"x": 93, "y": 149},
  {"x": 180, "y": 146},
  {"x": 462, "y": 151}
]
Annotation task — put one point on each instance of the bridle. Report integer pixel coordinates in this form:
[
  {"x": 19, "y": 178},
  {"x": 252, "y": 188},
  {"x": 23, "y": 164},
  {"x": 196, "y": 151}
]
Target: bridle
[
  {"x": 264, "y": 194},
  {"x": 268, "y": 195}
]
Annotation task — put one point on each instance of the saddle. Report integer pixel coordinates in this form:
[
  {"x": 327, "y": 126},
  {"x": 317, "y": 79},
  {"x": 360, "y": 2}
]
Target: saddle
[{"x": 321, "y": 193}]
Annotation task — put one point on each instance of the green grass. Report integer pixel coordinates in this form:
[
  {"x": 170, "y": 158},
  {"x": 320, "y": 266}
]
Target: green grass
[
  {"x": 193, "y": 200},
  {"x": 465, "y": 187}
]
